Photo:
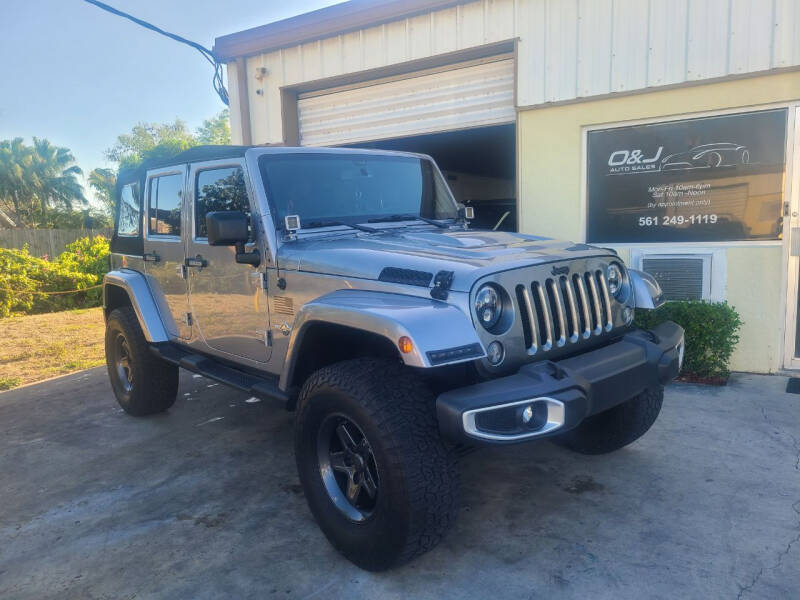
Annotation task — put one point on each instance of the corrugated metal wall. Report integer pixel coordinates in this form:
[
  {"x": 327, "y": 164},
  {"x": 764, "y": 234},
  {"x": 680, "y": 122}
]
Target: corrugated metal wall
[{"x": 568, "y": 48}]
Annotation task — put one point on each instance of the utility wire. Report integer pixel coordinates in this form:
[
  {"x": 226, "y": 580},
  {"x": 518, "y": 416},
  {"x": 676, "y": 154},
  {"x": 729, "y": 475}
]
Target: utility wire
[{"x": 218, "y": 84}]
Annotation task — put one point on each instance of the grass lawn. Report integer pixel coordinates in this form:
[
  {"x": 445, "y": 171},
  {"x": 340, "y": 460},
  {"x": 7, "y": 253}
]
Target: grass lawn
[{"x": 36, "y": 347}]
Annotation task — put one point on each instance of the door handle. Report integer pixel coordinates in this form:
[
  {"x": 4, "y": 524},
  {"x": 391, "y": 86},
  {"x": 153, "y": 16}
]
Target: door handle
[
  {"x": 197, "y": 261},
  {"x": 153, "y": 257}
]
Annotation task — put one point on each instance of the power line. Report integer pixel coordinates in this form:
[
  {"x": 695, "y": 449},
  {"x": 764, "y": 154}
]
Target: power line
[{"x": 217, "y": 82}]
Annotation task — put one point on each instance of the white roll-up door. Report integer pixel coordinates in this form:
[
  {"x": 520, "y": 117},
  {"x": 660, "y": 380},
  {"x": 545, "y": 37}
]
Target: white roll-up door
[{"x": 472, "y": 95}]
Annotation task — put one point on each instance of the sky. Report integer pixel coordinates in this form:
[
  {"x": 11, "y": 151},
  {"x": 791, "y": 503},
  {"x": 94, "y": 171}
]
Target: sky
[{"x": 80, "y": 76}]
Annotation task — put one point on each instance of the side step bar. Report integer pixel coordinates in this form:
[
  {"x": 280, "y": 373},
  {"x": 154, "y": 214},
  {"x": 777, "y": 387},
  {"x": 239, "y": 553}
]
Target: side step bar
[{"x": 260, "y": 387}]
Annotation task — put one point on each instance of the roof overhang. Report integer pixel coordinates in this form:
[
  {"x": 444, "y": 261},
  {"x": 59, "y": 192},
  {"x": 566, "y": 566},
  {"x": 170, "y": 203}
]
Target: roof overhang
[{"x": 322, "y": 23}]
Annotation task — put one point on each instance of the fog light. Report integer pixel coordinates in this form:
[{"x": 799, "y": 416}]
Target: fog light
[
  {"x": 627, "y": 314},
  {"x": 495, "y": 353},
  {"x": 533, "y": 416},
  {"x": 527, "y": 414}
]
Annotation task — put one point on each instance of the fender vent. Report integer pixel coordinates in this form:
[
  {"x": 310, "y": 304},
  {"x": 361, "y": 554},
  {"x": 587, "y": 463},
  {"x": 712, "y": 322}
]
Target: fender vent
[
  {"x": 282, "y": 305},
  {"x": 405, "y": 276}
]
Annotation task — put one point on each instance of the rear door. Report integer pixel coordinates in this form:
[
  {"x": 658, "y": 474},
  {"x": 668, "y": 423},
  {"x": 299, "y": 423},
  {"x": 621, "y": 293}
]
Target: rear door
[
  {"x": 228, "y": 299},
  {"x": 164, "y": 247}
]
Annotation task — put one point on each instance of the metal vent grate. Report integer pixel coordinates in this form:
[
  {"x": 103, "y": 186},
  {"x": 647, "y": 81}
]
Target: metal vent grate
[
  {"x": 282, "y": 305},
  {"x": 679, "y": 278}
]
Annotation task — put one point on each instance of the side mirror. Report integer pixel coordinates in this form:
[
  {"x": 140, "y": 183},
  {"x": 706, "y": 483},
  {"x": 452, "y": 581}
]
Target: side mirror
[
  {"x": 226, "y": 228},
  {"x": 229, "y": 228}
]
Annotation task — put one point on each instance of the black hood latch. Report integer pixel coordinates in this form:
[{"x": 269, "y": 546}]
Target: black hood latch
[{"x": 441, "y": 284}]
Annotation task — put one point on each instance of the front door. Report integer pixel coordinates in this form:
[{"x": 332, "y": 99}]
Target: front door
[
  {"x": 228, "y": 299},
  {"x": 164, "y": 250}
]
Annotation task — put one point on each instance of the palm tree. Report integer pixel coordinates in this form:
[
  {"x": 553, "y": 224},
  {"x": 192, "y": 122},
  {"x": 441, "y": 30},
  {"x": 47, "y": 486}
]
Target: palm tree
[
  {"x": 53, "y": 177},
  {"x": 14, "y": 159},
  {"x": 103, "y": 181}
]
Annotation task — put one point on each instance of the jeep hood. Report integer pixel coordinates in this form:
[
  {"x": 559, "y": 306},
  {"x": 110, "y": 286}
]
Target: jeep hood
[{"x": 469, "y": 254}]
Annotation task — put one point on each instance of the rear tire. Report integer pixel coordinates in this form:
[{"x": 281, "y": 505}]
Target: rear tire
[
  {"x": 389, "y": 416},
  {"x": 143, "y": 383},
  {"x": 617, "y": 427}
]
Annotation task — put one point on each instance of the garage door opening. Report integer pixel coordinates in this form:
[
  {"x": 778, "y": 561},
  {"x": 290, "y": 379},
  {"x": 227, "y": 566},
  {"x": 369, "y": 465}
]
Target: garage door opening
[{"x": 479, "y": 165}]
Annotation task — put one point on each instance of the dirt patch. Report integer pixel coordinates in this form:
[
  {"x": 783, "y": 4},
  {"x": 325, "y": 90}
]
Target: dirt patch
[
  {"x": 37, "y": 347},
  {"x": 690, "y": 378}
]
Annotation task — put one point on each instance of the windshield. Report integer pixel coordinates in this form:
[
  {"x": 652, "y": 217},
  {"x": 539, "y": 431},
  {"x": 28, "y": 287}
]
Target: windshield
[{"x": 353, "y": 188}]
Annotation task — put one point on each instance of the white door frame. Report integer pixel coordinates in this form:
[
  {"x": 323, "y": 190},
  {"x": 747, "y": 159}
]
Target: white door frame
[{"x": 791, "y": 263}]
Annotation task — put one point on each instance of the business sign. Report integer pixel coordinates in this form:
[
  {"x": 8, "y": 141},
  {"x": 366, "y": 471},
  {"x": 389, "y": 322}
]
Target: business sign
[{"x": 697, "y": 180}]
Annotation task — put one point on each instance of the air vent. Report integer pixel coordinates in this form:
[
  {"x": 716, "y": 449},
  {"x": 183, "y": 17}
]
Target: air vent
[
  {"x": 282, "y": 305},
  {"x": 405, "y": 276},
  {"x": 681, "y": 278}
]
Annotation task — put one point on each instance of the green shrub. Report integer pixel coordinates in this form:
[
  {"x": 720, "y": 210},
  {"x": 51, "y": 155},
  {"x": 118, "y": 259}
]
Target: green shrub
[
  {"x": 711, "y": 333},
  {"x": 87, "y": 255},
  {"x": 8, "y": 383},
  {"x": 29, "y": 284}
]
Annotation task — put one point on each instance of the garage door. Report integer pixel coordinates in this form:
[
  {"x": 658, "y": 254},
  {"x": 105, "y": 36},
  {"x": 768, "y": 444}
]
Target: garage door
[{"x": 471, "y": 95}]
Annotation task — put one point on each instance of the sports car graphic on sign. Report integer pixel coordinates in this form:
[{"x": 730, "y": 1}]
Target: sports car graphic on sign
[{"x": 707, "y": 156}]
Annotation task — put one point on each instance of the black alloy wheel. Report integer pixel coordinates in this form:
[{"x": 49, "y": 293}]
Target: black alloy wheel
[{"x": 348, "y": 468}]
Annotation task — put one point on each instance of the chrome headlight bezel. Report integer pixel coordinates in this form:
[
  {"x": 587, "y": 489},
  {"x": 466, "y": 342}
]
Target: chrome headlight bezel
[
  {"x": 488, "y": 301},
  {"x": 618, "y": 281}
]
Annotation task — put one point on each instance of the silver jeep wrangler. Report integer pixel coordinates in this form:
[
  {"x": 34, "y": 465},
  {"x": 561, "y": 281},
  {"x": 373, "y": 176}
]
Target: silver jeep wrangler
[{"x": 348, "y": 286}]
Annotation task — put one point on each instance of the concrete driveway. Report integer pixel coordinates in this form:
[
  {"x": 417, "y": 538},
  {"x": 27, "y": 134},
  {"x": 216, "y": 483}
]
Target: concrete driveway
[{"x": 204, "y": 502}]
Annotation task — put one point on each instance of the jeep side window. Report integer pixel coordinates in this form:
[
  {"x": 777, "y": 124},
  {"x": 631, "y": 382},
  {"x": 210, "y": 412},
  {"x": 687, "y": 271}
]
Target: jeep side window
[
  {"x": 218, "y": 190},
  {"x": 128, "y": 221},
  {"x": 165, "y": 204}
]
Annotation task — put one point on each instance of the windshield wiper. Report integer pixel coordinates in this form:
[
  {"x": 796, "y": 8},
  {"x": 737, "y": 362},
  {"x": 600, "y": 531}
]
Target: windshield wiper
[
  {"x": 393, "y": 218},
  {"x": 315, "y": 224}
]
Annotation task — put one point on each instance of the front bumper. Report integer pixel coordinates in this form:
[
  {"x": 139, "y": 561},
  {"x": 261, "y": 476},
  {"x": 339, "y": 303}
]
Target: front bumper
[{"x": 547, "y": 398}]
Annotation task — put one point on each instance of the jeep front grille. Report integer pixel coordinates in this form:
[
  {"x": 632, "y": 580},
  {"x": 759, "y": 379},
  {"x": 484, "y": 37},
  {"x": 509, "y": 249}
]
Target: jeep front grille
[{"x": 564, "y": 309}]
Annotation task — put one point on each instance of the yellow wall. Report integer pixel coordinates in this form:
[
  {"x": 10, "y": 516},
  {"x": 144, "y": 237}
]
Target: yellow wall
[{"x": 549, "y": 167}]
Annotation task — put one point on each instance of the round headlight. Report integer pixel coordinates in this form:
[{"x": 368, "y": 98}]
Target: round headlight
[
  {"x": 488, "y": 306},
  {"x": 616, "y": 280}
]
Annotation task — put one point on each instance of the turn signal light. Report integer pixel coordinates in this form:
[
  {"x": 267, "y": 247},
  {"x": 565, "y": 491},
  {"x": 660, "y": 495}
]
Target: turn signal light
[{"x": 405, "y": 344}]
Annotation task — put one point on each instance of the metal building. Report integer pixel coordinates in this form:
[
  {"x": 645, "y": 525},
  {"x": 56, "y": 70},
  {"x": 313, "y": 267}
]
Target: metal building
[{"x": 664, "y": 128}]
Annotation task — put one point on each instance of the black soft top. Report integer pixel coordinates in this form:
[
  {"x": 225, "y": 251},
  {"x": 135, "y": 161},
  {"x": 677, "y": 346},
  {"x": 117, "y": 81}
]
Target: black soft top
[
  {"x": 194, "y": 154},
  {"x": 136, "y": 175}
]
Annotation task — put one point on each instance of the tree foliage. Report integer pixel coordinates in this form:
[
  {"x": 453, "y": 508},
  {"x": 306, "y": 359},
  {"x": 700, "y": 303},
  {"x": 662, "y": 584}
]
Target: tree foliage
[
  {"x": 216, "y": 130},
  {"x": 38, "y": 182},
  {"x": 148, "y": 141},
  {"x": 102, "y": 182}
]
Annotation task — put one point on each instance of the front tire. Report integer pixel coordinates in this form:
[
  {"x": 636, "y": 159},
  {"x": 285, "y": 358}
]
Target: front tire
[
  {"x": 377, "y": 477},
  {"x": 616, "y": 427},
  {"x": 143, "y": 383}
]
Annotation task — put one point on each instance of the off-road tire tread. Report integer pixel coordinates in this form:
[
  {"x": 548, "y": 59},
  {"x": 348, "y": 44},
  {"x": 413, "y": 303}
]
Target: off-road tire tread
[
  {"x": 157, "y": 390},
  {"x": 617, "y": 427},
  {"x": 403, "y": 409}
]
